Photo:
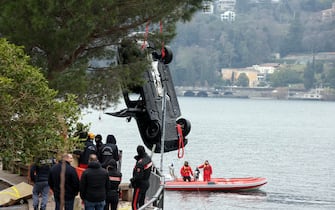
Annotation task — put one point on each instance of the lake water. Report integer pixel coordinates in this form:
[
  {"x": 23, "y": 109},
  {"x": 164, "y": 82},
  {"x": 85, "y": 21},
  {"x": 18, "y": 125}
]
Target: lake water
[{"x": 291, "y": 143}]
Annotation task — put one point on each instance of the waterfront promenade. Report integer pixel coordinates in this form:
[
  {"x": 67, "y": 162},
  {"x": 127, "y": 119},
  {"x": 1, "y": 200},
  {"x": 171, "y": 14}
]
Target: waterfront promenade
[{"x": 14, "y": 179}]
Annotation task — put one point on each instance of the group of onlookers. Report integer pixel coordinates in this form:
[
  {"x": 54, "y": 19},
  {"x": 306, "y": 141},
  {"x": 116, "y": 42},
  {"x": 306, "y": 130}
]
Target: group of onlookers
[
  {"x": 98, "y": 185},
  {"x": 104, "y": 152}
]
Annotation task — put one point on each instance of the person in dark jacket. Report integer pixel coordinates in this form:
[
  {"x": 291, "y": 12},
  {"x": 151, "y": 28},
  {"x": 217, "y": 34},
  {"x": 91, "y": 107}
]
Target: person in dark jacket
[
  {"x": 94, "y": 184},
  {"x": 39, "y": 173},
  {"x": 89, "y": 149},
  {"x": 71, "y": 184},
  {"x": 141, "y": 175},
  {"x": 112, "y": 199},
  {"x": 109, "y": 151},
  {"x": 99, "y": 145}
]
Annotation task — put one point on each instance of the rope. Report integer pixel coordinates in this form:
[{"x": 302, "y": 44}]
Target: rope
[
  {"x": 181, "y": 150},
  {"x": 146, "y": 34},
  {"x": 161, "y": 31}
]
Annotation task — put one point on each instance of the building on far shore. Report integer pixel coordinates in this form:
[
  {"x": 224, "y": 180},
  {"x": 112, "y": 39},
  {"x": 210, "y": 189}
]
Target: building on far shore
[
  {"x": 328, "y": 14},
  {"x": 256, "y": 73}
]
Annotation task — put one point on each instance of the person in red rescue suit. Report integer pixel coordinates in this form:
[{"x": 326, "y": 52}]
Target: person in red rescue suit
[
  {"x": 207, "y": 170},
  {"x": 140, "y": 179},
  {"x": 186, "y": 172}
]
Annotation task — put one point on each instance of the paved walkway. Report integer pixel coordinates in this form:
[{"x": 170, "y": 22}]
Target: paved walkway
[{"x": 14, "y": 179}]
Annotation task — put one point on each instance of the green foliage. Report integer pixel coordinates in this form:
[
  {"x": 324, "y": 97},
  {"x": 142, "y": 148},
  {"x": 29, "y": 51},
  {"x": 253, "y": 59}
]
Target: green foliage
[
  {"x": 63, "y": 37},
  {"x": 330, "y": 79},
  {"x": 33, "y": 122},
  {"x": 243, "y": 80},
  {"x": 309, "y": 76},
  {"x": 292, "y": 42},
  {"x": 285, "y": 77},
  {"x": 260, "y": 29}
]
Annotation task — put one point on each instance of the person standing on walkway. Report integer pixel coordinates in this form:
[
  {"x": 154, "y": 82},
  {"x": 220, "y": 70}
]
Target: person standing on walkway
[
  {"x": 39, "y": 173},
  {"x": 71, "y": 182},
  {"x": 89, "y": 149},
  {"x": 94, "y": 184},
  {"x": 112, "y": 199},
  {"x": 141, "y": 175},
  {"x": 99, "y": 145},
  {"x": 109, "y": 151}
]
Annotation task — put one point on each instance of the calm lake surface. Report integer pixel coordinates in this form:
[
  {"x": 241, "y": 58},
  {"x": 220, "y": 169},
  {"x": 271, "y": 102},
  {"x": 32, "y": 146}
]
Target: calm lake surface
[{"x": 291, "y": 143}]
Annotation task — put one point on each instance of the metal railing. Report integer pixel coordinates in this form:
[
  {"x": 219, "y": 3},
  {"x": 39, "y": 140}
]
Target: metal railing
[{"x": 155, "y": 192}]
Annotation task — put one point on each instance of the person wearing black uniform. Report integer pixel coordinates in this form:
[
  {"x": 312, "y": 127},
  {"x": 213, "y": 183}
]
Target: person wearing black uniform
[
  {"x": 99, "y": 145},
  {"x": 89, "y": 149},
  {"x": 141, "y": 175},
  {"x": 112, "y": 198},
  {"x": 109, "y": 151}
]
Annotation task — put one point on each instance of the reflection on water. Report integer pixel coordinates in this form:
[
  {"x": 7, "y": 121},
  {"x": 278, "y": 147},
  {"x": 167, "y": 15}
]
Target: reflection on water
[
  {"x": 291, "y": 199},
  {"x": 291, "y": 143}
]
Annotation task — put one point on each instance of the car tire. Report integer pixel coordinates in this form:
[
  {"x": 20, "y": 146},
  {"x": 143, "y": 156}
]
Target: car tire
[
  {"x": 153, "y": 130},
  {"x": 185, "y": 126},
  {"x": 168, "y": 55}
]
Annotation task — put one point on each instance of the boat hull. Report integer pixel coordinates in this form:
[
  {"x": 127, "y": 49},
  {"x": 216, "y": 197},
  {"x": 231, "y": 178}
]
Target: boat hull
[{"x": 217, "y": 184}]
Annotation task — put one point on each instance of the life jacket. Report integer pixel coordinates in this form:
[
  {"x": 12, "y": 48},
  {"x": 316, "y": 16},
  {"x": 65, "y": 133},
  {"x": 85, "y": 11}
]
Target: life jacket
[{"x": 186, "y": 171}]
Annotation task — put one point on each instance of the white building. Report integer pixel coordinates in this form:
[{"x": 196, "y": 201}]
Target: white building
[
  {"x": 228, "y": 16},
  {"x": 207, "y": 7},
  {"x": 226, "y": 5}
]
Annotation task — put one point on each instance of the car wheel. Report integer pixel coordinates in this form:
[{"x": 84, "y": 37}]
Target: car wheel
[
  {"x": 185, "y": 126},
  {"x": 168, "y": 55},
  {"x": 153, "y": 130}
]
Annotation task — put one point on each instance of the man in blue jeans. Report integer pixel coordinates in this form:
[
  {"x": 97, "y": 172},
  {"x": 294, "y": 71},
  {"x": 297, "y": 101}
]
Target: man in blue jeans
[
  {"x": 39, "y": 173},
  {"x": 71, "y": 184},
  {"x": 94, "y": 183}
]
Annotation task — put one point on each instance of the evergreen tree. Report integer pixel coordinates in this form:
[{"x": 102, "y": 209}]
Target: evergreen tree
[
  {"x": 34, "y": 122},
  {"x": 292, "y": 43},
  {"x": 62, "y": 37}
]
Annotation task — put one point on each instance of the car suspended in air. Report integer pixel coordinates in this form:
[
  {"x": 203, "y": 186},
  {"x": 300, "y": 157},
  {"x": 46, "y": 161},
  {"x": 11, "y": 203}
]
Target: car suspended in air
[{"x": 145, "y": 103}]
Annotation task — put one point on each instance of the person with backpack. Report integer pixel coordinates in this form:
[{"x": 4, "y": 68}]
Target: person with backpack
[
  {"x": 89, "y": 149},
  {"x": 109, "y": 151}
]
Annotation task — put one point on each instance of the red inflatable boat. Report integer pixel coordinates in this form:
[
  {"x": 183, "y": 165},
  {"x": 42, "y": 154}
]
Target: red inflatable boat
[{"x": 217, "y": 184}]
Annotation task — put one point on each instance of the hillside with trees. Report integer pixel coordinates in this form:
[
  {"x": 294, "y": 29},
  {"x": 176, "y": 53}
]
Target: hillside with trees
[{"x": 207, "y": 44}]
